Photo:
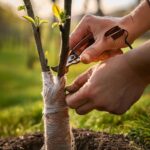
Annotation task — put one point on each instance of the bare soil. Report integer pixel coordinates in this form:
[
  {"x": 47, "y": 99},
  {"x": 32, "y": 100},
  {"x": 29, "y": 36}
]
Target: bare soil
[{"x": 84, "y": 139}]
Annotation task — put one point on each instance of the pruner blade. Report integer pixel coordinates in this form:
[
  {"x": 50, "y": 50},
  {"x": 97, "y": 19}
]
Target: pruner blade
[{"x": 75, "y": 52}]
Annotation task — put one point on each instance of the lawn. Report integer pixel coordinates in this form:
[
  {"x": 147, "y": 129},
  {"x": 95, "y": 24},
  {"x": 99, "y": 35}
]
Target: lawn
[{"x": 21, "y": 101}]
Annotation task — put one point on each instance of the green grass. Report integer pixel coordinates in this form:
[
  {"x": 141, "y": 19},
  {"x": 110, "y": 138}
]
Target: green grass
[{"x": 21, "y": 101}]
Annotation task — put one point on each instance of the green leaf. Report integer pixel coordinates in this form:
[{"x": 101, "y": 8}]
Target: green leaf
[
  {"x": 43, "y": 21},
  {"x": 55, "y": 24},
  {"x": 59, "y": 14},
  {"x": 57, "y": 11},
  {"x": 64, "y": 17},
  {"x": 22, "y": 7},
  {"x": 29, "y": 19},
  {"x": 46, "y": 54}
]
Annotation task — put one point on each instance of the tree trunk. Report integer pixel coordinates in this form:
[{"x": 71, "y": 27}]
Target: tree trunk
[{"x": 58, "y": 135}]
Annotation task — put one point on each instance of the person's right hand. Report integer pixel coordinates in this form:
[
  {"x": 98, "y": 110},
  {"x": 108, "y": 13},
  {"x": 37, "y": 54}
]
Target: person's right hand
[{"x": 98, "y": 26}]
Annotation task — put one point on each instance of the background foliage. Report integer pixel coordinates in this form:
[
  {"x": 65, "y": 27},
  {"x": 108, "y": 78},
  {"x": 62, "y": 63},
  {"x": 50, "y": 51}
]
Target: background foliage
[{"x": 20, "y": 86}]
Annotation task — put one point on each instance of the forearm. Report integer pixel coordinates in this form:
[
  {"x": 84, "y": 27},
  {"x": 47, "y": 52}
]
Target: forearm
[
  {"x": 138, "y": 21},
  {"x": 141, "y": 18},
  {"x": 139, "y": 61}
]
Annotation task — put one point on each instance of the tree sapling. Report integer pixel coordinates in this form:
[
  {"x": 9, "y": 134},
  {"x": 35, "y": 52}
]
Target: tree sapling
[{"x": 57, "y": 133}]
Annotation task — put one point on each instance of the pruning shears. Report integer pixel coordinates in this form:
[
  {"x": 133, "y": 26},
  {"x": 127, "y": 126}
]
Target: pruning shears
[{"x": 74, "y": 55}]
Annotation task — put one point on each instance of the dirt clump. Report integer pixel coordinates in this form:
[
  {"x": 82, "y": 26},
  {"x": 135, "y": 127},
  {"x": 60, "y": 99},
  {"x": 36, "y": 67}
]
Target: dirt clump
[{"x": 84, "y": 139}]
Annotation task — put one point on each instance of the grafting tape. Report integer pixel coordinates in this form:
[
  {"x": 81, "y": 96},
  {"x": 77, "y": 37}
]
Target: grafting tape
[{"x": 56, "y": 120}]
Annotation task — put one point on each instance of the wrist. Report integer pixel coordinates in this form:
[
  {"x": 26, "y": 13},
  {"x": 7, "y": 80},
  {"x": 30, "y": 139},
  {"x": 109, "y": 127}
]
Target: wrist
[
  {"x": 139, "y": 62},
  {"x": 137, "y": 22},
  {"x": 127, "y": 23},
  {"x": 140, "y": 17}
]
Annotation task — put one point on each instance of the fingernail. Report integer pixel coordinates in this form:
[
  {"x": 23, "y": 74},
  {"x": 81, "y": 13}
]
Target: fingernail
[{"x": 85, "y": 58}]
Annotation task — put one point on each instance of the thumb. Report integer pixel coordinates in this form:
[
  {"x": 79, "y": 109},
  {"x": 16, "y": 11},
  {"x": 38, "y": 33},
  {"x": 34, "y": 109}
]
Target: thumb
[
  {"x": 91, "y": 53},
  {"x": 98, "y": 53}
]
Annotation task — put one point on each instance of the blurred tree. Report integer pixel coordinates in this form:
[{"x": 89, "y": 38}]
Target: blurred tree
[
  {"x": 16, "y": 32},
  {"x": 138, "y": 1},
  {"x": 86, "y": 2},
  {"x": 9, "y": 27},
  {"x": 8, "y": 22},
  {"x": 99, "y": 10},
  {"x": 98, "y": 4}
]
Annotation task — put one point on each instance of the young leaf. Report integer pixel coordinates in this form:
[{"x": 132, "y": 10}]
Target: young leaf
[
  {"x": 31, "y": 20},
  {"x": 55, "y": 24},
  {"x": 57, "y": 11},
  {"x": 63, "y": 17},
  {"x": 22, "y": 7},
  {"x": 43, "y": 21},
  {"x": 46, "y": 53},
  {"x": 37, "y": 21}
]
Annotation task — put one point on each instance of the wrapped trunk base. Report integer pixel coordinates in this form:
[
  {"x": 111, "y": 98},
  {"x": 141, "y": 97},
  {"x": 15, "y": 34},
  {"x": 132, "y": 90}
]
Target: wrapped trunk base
[{"x": 57, "y": 132}]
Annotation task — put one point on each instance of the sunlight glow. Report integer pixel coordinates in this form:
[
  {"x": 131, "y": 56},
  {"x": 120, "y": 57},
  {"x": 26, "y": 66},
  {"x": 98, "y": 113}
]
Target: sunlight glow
[{"x": 43, "y": 7}]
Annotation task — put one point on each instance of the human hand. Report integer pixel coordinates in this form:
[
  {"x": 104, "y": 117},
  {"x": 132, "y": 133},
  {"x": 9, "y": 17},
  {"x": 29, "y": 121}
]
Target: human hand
[
  {"x": 98, "y": 26},
  {"x": 111, "y": 86}
]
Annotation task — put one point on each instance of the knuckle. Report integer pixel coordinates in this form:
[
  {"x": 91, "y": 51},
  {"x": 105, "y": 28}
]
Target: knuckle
[
  {"x": 88, "y": 92},
  {"x": 90, "y": 71},
  {"x": 116, "y": 111},
  {"x": 88, "y": 17}
]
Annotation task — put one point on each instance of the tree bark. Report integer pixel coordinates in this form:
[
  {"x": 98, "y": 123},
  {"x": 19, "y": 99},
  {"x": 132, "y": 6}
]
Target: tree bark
[
  {"x": 58, "y": 135},
  {"x": 65, "y": 39},
  {"x": 37, "y": 37}
]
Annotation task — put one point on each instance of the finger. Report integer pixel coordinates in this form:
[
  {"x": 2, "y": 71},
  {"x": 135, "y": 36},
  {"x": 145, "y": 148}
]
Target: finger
[
  {"x": 80, "y": 81},
  {"x": 80, "y": 31},
  {"x": 78, "y": 98},
  {"x": 84, "y": 109},
  {"x": 108, "y": 54},
  {"x": 97, "y": 52},
  {"x": 92, "y": 53}
]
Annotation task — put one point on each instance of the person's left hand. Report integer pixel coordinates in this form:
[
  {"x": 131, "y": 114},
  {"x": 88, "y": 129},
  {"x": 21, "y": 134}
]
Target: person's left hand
[{"x": 111, "y": 86}]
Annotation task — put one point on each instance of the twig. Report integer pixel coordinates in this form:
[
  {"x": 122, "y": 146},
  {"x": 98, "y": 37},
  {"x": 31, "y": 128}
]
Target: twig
[
  {"x": 37, "y": 38},
  {"x": 65, "y": 39}
]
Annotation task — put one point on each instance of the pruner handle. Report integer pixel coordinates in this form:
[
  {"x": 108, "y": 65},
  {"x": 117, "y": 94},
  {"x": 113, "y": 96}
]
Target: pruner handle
[{"x": 82, "y": 45}]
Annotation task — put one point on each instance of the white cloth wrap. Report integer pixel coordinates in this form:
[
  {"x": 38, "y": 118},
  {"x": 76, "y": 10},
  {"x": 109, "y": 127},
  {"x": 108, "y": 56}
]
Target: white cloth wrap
[{"x": 51, "y": 88}]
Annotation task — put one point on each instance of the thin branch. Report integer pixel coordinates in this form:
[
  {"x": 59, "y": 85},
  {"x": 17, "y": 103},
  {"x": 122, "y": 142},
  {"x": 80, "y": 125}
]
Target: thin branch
[
  {"x": 37, "y": 38},
  {"x": 65, "y": 39}
]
